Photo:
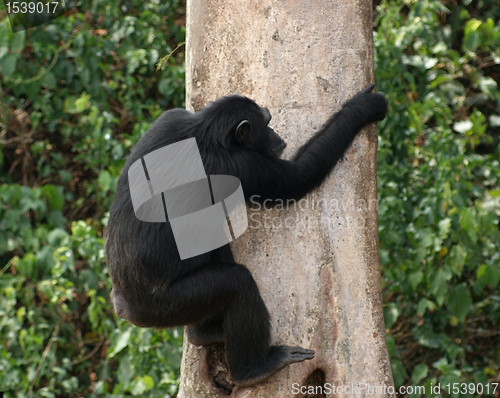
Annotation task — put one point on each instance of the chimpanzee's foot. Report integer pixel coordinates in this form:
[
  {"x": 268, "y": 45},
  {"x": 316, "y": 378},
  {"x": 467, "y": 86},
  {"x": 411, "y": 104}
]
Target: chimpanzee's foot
[{"x": 279, "y": 357}]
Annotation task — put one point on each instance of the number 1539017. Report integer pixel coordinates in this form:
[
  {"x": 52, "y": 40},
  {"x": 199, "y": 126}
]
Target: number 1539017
[
  {"x": 22, "y": 7},
  {"x": 471, "y": 388}
]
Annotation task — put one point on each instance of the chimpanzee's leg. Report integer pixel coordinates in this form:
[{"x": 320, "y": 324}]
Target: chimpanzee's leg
[
  {"x": 207, "y": 333},
  {"x": 228, "y": 292}
]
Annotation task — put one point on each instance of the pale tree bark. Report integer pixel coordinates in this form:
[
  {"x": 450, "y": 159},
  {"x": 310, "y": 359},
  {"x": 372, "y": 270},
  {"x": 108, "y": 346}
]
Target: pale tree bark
[{"x": 316, "y": 263}]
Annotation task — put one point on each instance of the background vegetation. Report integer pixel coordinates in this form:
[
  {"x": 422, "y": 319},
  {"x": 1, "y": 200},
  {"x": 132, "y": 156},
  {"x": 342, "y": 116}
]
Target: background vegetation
[
  {"x": 439, "y": 197},
  {"x": 77, "y": 93}
]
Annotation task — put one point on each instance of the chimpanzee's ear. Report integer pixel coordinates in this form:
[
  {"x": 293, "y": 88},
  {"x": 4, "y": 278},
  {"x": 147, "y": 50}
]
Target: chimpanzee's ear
[{"x": 242, "y": 132}]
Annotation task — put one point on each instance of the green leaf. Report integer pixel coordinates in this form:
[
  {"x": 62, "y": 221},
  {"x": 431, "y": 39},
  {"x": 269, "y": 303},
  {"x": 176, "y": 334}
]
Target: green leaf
[
  {"x": 425, "y": 238},
  {"x": 28, "y": 266},
  {"x": 121, "y": 343},
  {"x": 64, "y": 261},
  {"x": 58, "y": 237},
  {"x": 5, "y": 31},
  {"x": 472, "y": 41},
  {"x": 441, "y": 365},
  {"x": 8, "y": 64},
  {"x": 440, "y": 79},
  {"x": 75, "y": 105},
  {"x": 138, "y": 387},
  {"x": 104, "y": 180},
  {"x": 488, "y": 275},
  {"x": 55, "y": 195},
  {"x": 472, "y": 37},
  {"x": 32, "y": 89},
  {"x": 444, "y": 227},
  {"x": 428, "y": 338},
  {"x": 66, "y": 176},
  {"x": 492, "y": 275},
  {"x": 460, "y": 301},
  {"x": 125, "y": 371},
  {"x": 17, "y": 41},
  {"x": 456, "y": 259},
  {"x": 468, "y": 223},
  {"x": 415, "y": 278},
  {"x": 481, "y": 271},
  {"x": 135, "y": 58},
  {"x": 391, "y": 314},
  {"x": 148, "y": 382},
  {"x": 419, "y": 373},
  {"x": 439, "y": 286},
  {"x": 56, "y": 219},
  {"x": 398, "y": 372},
  {"x": 423, "y": 305},
  {"x": 463, "y": 126},
  {"x": 49, "y": 80},
  {"x": 488, "y": 86}
]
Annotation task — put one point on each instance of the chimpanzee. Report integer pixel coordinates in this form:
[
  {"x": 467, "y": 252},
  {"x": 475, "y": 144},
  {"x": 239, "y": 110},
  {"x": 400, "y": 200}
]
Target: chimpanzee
[{"x": 215, "y": 297}]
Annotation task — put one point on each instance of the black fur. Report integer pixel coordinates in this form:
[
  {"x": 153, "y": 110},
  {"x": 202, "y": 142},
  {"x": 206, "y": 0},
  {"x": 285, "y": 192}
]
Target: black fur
[{"x": 216, "y": 297}]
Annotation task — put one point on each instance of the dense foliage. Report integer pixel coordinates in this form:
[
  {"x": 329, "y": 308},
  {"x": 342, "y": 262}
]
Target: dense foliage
[
  {"x": 439, "y": 195},
  {"x": 77, "y": 93}
]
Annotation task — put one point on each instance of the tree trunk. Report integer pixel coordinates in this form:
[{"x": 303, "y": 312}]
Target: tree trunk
[{"x": 316, "y": 263}]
